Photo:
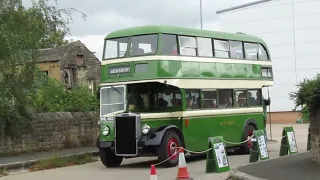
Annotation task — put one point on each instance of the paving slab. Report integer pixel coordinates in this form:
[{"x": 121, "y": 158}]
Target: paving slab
[{"x": 293, "y": 167}]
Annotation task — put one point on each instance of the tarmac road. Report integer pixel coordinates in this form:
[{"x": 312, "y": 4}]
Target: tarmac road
[{"x": 139, "y": 168}]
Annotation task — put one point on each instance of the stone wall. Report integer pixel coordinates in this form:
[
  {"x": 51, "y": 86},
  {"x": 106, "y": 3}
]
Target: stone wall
[
  {"x": 53, "y": 131},
  {"x": 315, "y": 135}
]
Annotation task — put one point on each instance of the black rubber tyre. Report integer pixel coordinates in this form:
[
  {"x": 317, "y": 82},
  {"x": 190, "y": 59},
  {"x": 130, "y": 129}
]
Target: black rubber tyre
[
  {"x": 170, "y": 138},
  {"x": 109, "y": 159},
  {"x": 245, "y": 149}
]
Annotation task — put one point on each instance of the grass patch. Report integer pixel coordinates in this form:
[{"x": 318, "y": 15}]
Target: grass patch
[
  {"x": 3, "y": 172},
  {"x": 58, "y": 162}
]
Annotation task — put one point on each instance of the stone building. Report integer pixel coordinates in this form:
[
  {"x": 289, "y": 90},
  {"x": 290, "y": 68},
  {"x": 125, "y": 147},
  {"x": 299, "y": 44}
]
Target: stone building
[{"x": 71, "y": 64}]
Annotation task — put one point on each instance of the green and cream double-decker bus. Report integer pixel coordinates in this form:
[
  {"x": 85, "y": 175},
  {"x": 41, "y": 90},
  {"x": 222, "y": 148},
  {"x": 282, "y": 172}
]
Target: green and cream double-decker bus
[{"x": 163, "y": 87}]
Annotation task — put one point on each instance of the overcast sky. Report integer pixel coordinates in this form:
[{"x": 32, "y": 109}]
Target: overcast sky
[{"x": 105, "y": 16}]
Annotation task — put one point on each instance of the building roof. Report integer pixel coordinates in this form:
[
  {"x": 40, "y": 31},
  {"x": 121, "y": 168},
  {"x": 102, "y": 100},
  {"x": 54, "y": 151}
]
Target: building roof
[
  {"x": 140, "y": 30},
  {"x": 242, "y": 6},
  {"x": 56, "y": 54}
]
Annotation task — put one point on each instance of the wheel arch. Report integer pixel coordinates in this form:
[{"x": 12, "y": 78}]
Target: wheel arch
[
  {"x": 248, "y": 122},
  {"x": 159, "y": 134}
]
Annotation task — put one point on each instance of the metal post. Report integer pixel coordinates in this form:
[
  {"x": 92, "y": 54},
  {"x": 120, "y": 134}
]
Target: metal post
[{"x": 201, "y": 13}]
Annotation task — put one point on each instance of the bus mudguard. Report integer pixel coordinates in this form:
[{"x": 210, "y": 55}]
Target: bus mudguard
[
  {"x": 156, "y": 137},
  {"x": 249, "y": 121},
  {"x": 103, "y": 144}
]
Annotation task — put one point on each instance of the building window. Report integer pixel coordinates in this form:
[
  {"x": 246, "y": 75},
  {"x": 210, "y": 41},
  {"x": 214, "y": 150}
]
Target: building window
[
  {"x": 221, "y": 49},
  {"x": 241, "y": 98},
  {"x": 204, "y": 47},
  {"x": 79, "y": 59},
  {"x": 236, "y": 49},
  {"x": 251, "y": 50},
  {"x": 209, "y": 99},
  {"x": 188, "y": 46},
  {"x": 193, "y": 98},
  {"x": 263, "y": 55},
  {"x": 169, "y": 44},
  {"x": 67, "y": 76}
]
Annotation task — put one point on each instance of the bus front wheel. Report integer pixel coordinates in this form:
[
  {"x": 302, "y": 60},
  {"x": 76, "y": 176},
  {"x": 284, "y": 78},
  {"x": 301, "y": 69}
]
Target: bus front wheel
[
  {"x": 169, "y": 149},
  {"x": 248, "y": 132},
  {"x": 108, "y": 158}
]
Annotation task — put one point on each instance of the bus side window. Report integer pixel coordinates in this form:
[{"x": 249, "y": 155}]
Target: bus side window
[
  {"x": 225, "y": 98},
  {"x": 209, "y": 99},
  {"x": 241, "y": 98},
  {"x": 254, "y": 97},
  {"x": 193, "y": 98}
]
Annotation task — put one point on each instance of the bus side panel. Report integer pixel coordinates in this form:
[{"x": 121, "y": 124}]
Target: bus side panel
[{"x": 198, "y": 129}]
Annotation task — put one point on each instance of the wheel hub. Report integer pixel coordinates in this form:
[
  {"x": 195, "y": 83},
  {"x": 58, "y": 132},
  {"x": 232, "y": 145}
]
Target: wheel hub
[
  {"x": 249, "y": 143},
  {"x": 172, "y": 148}
]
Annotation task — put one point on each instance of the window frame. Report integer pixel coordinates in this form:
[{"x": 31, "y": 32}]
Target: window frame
[
  {"x": 253, "y": 89},
  {"x": 149, "y": 54},
  {"x": 196, "y": 49},
  {"x": 214, "y": 48},
  {"x": 200, "y": 99},
  {"x": 235, "y": 98},
  {"x": 245, "y": 53},
  {"x": 105, "y": 45},
  {"x": 177, "y": 43},
  {"x": 203, "y": 99},
  {"x": 265, "y": 49},
  {"x": 232, "y": 97},
  {"x": 242, "y": 49}
]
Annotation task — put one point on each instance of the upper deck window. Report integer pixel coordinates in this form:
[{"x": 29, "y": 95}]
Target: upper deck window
[
  {"x": 263, "y": 55},
  {"x": 251, "y": 51},
  {"x": 143, "y": 45},
  {"x": 116, "y": 48},
  {"x": 169, "y": 44},
  {"x": 221, "y": 48},
  {"x": 204, "y": 47},
  {"x": 188, "y": 46}
]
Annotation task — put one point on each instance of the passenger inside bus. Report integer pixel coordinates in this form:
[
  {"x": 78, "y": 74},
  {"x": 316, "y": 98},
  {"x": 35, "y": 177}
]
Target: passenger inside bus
[
  {"x": 251, "y": 100},
  {"x": 135, "y": 101},
  {"x": 161, "y": 102},
  {"x": 241, "y": 100},
  {"x": 189, "y": 102},
  {"x": 226, "y": 99}
]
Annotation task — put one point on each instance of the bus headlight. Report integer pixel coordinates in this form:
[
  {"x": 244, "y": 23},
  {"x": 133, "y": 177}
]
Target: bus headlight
[
  {"x": 106, "y": 131},
  {"x": 145, "y": 129}
]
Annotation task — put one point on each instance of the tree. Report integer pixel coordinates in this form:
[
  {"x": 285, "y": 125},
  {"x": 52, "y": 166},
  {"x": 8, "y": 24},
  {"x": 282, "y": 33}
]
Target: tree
[
  {"x": 308, "y": 95},
  {"x": 22, "y": 32}
]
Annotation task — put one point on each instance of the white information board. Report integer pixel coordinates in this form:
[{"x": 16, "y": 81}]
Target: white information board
[{"x": 221, "y": 155}]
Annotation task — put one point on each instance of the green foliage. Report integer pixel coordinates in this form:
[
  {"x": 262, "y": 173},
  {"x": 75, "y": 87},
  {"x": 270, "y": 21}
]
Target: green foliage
[
  {"x": 22, "y": 32},
  {"x": 308, "y": 94},
  {"x": 52, "y": 97}
]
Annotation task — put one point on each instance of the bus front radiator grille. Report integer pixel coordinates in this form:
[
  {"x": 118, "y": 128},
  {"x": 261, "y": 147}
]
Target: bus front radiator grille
[{"x": 126, "y": 141}]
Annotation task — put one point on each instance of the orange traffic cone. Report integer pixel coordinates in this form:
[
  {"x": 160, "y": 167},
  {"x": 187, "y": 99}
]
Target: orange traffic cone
[
  {"x": 153, "y": 175},
  {"x": 183, "y": 173}
]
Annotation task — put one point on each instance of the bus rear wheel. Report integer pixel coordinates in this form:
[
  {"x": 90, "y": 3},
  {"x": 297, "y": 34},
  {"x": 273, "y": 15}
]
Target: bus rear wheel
[
  {"x": 108, "y": 158},
  {"x": 169, "y": 149},
  {"x": 245, "y": 149}
]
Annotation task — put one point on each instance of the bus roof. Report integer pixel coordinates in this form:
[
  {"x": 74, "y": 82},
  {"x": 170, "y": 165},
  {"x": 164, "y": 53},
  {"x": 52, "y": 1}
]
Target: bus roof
[{"x": 139, "y": 30}]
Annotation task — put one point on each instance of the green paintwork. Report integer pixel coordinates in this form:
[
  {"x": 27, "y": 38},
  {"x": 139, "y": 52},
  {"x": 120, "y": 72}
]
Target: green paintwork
[
  {"x": 140, "y": 30},
  {"x": 182, "y": 69},
  {"x": 200, "y": 128}
]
